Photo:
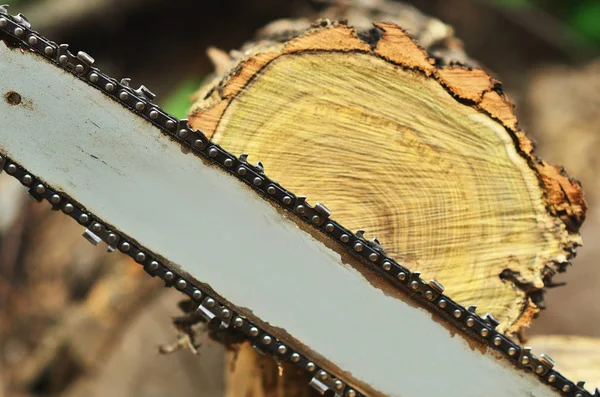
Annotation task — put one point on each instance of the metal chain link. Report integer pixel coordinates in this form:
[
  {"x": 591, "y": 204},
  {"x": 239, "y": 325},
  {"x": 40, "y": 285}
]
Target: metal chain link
[{"x": 16, "y": 31}]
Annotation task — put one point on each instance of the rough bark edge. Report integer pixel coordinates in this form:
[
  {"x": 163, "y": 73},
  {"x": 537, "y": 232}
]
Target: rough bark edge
[{"x": 471, "y": 86}]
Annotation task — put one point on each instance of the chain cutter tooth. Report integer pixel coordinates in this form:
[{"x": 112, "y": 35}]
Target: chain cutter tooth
[
  {"x": 258, "y": 167},
  {"x": 91, "y": 237},
  {"x": 325, "y": 384},
  {"x": 78, "y": 64},
  {"x": 491, "y": 320},
  {"x": 211, "y": 310},
  {"x": 145, "y": 93}
]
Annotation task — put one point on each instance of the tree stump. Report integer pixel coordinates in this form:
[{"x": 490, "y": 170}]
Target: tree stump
[{"x": 423, "y": 153}]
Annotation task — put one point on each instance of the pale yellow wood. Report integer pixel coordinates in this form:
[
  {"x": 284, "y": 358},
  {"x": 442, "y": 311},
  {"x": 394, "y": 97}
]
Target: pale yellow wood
[
  {"x": 400, "y": 159},
  {"x": 428, "y": 158},
  {"x": 390, "y": 151},
  {"x": 577, "y": 357}
]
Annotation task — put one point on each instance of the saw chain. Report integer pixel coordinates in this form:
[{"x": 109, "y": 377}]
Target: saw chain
[{"x": 16, "y": 31}]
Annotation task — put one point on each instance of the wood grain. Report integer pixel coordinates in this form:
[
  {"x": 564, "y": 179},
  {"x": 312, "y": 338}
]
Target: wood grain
[{"x": 428, "y": 159}]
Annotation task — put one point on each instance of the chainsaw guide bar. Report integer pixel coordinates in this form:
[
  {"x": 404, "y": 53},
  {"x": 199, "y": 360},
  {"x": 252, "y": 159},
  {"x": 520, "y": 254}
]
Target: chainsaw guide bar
[{"x": 16, "y": 32}]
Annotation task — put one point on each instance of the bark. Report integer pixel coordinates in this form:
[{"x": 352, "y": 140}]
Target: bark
[{"x": 422, "y": 152}]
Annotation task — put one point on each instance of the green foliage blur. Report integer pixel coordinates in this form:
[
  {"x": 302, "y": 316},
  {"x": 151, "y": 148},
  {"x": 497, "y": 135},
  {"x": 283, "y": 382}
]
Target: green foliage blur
[
  {"x": 178, "y": 102},
  {"x": 582, "y": 16}
]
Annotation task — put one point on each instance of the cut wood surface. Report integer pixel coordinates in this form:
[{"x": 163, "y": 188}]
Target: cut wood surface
[{"x": 426, "y": 157}]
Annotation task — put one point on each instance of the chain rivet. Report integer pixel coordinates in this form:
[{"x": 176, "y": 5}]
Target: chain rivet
[
  {"x": 79, "y": 69},
  {"x": 96, "y": 227},
  {"x": 470, "y": 322},
  {"x": 226, "y": 313},
  {"x": 485, "y": 332},
  {"x": 387, "y": 266},
  {"x": 199, "y": 144},
  {"x": 140, "y": 257},
  {"x": 110, "y": 87},
  {"x": 281, "y": 349},
  {"x": 295, "y": 357},
  {"x": 442, "y": 303},
  {"x": 429, "y": 295},
  {"x": 271, "y": 190},
  {"x": 267, "y": 340},
  {"x": 238, "y": 322},
  {"x": 11, "y": 169},
  {"x": 512, "y": 351},
  {"x": 123, "y": 95},
  {"x": 358, "y": 247},
  {"x": 287, "y": 200},
  {"x": 69, "y": 208},
  {"x": 241, "y": 171},
  {"x": 55, "y": 199},
  {"x": 566, "y": 388},
  {"x": 49, "y": 50},
  {"x": 94, "y": 77},
  {"x": 196, "y": 294},
  {"x": 525, "y": 360},
  {"x": 170, "y": 124},
  {"x": 153, "y": 266},
  {"x": 228, "y": 162},
  {"x": 344, "y": 238},
  {"x": 497, "y": 341},
  {"x": 32, "y": 40},
  {"x": 19, "y": 32},
  {"x": 316, "y": 219},
  {"x": 329, "y": 227},
  {"x": 183, "y": 133},
  {"x": 169, "y": 276},
  {"x": 40, "y": 188},
  {"x": 457, "y": 313},
  {"x": 310, "y": 366},
  {"x": 552, "y": 378},
  {"x": 3, "y": 23},
  {"x": 112, "y": 238},
  {"x": 351, "y": 393},
  {"x": 401, "y": 276},
  {"x": 323, "y": 375},
  {"x": 181, "y": 284},
  {"x": 212, "y": 152},
  {"x": 257, "y": 181},
  {"x": 539, "y": 369},
  {"x": 83, "y": 219},
  {"x": 153, "y": 114},
  {"x": 253, "y": 331},
  {"x": 125, "y": 247},
  {"x": 27, "y": 179}
]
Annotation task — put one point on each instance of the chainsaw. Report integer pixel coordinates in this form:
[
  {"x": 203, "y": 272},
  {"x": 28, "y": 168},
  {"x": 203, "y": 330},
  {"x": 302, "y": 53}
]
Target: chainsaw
[{"x": 260, "y": 262}]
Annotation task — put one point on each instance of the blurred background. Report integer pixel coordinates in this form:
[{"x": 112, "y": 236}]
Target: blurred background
[{"x": 76, "y": 321}]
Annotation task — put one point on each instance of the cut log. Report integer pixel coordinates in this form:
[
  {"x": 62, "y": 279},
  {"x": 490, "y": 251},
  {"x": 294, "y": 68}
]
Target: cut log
[
  {"x": 425, "y": 155},
  {"x": 428, "y": 159}
]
